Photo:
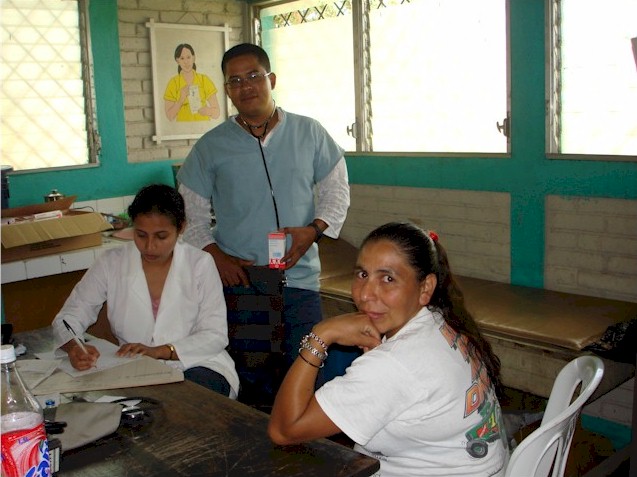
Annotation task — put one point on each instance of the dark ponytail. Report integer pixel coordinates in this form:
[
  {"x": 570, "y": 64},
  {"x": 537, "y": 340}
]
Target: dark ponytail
[{"x": 449, "y": 300}]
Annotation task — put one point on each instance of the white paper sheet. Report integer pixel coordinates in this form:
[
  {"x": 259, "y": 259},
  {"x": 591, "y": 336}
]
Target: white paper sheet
[{"x": 107, "y": 360}]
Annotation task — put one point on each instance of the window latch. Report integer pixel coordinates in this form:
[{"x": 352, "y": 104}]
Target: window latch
[
  {"x": 504, "y": 127},
  {"x": 351, "y": 130}
]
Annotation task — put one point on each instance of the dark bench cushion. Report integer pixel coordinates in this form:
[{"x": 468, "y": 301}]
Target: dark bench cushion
[{"x": 542, "y": 316}]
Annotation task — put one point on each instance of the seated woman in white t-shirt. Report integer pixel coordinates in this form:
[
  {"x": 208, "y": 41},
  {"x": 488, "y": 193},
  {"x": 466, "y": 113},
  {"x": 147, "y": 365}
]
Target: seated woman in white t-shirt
[
  {"x": 164, "y": 297},
  {"x": 422, "y": 398}
]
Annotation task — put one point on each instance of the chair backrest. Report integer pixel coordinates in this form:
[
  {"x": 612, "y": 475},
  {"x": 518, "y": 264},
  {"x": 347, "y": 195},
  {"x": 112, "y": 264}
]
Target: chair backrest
[{"x": 544, "y": 452}]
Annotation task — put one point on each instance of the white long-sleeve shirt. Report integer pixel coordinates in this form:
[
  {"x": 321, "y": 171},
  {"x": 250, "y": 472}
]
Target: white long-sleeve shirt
[{"x": 191, "y": 314}]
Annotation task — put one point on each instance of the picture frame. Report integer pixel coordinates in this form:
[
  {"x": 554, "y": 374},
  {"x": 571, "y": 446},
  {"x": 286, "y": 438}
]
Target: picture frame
[{"x": 209, "y": 44}]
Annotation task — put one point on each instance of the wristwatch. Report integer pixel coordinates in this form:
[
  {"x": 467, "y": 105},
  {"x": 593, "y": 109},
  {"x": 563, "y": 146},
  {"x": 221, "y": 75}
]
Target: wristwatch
[
  {"x": 317, "y": 229},
  {"x": 172, "y": 351}
]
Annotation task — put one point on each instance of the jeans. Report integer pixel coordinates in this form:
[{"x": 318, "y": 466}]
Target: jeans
[{"x": 209, "y": 379}]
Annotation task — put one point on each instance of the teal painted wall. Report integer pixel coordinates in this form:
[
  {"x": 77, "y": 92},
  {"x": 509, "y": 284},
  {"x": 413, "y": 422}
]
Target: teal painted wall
[
  {"x": 528, "y": 176},
  {"x": 114, "y": 176}
]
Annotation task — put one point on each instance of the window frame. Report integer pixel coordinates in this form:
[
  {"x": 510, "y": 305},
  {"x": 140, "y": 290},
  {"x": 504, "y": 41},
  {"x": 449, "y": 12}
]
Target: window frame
[
  {"x": 552, "y": 87},
  {"x": 93, "y": 138},
  {"x": 362, "y": 126}
]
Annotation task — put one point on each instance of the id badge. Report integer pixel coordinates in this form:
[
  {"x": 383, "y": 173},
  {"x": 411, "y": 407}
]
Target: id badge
[{"x": 276, "y": 249}]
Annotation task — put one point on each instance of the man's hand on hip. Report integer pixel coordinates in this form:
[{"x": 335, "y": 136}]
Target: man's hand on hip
[{"x": 230, "y": 268}]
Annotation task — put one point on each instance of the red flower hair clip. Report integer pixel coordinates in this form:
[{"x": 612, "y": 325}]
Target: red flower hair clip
[{"x": 433, "y": 235}]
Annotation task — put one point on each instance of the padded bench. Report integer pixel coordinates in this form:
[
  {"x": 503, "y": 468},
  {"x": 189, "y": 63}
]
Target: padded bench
[{"x": 534, "y": 332}]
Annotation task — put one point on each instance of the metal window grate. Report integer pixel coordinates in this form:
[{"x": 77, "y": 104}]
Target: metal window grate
[
  {"x": 312, "y": 14},
  {"x": 43, "y": 110},
  {"x": 326, "y": 11},
  {"x": 591, "y": 88},
  {"x": 555, "y": 81}
]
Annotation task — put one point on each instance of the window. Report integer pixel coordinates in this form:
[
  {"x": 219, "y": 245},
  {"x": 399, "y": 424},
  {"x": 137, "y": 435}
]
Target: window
[
  {"x": 393, "y": 75},
  {"x": 47, "y": 111},
  {"x": 592, "y": 80},
  {"x": 315, "y": 78}
]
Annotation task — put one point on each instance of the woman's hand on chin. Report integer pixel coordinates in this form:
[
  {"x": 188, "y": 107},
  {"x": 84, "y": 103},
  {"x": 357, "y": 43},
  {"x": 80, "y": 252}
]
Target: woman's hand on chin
[{"x": 352, "y": 329}]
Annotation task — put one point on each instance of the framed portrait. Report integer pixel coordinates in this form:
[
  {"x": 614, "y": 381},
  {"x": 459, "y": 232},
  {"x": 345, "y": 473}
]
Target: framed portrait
[{"x": 188, "y": 93}]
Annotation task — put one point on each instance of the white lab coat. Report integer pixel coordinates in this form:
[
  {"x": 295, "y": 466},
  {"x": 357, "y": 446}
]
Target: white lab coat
[{"x": 191, "y": 315}]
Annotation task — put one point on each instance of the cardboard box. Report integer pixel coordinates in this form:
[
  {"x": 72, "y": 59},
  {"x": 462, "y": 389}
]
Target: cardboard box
[{"x": 28, "y": 239}]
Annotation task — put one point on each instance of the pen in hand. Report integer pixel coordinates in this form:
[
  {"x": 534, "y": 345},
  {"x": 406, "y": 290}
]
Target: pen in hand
[{"x": 75, "y": 337}]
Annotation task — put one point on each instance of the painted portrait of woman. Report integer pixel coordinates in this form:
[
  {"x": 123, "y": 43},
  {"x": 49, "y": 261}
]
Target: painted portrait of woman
[{"x": 190, "y": 95}]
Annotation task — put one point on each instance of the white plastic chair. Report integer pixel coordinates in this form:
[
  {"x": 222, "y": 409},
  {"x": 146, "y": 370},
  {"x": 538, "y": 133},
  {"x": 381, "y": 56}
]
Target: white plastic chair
[{"x": 548, "y": 446}]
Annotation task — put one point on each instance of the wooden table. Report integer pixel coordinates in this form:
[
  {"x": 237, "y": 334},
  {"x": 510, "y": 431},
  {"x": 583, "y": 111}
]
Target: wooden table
[{"x": 197, "y": 432}]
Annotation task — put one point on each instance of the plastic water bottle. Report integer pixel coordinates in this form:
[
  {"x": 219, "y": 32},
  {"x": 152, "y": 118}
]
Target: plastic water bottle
[{"x": 25, "y": 449}]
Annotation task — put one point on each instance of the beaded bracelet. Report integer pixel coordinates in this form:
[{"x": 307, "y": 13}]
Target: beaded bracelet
[
  {"x": 306, "y": 339},
  {"x": 311, "y": 364},
  {"x": 305, "y": 344},
  {"x": 318, "y": 340}
]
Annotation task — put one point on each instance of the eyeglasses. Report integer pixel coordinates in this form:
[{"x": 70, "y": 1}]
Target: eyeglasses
[{"x": 252, "y": 79}]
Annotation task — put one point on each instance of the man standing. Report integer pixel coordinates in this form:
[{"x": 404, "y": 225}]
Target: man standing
[{"x": 260, "y": 171}]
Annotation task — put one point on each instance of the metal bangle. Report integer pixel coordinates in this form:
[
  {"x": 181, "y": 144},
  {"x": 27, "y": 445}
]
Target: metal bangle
[{"x": 311, "y": 364}]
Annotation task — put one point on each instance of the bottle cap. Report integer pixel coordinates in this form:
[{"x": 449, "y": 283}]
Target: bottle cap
[{"x": 7, "y": 354}]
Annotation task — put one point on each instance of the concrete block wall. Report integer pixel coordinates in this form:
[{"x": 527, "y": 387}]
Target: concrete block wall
[
  {"x": 591, "y": 246},
  {"x": 591, "y": 243},
  {"x": 591, "y": 249},
  {"x": 135, "y": 52},
  {"x": 474, "y": 227}
]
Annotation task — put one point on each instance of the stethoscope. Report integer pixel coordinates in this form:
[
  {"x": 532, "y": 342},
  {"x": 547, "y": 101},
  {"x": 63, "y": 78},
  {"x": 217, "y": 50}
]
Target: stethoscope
[
  {"x": 265, "y": 165},
  {"x": 136, "y": 410}
]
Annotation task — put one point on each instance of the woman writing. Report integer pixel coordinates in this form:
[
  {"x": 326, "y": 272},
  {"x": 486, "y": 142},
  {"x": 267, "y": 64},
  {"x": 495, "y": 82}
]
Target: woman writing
[
  {"x": 422, "y": 398},
  {"x": 164, "y": 298},
  {"x": 190, "y": 96}
]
